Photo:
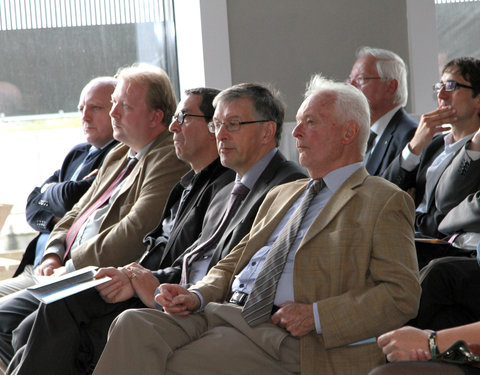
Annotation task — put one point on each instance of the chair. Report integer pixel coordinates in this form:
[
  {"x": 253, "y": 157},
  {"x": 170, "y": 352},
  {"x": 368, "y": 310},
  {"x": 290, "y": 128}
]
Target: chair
[{"x": 4, "y": 212}]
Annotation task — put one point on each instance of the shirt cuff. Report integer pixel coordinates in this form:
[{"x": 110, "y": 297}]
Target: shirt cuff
[
  {"x": 69, "y": 267},
  {"x": 409, "y": 161},
  {"x": 202, "y": 302},
  {"x": 316, "y": 317}
]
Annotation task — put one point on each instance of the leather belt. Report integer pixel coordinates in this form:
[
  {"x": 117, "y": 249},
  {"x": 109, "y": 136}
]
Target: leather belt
[{"x": 239, "y": 298}]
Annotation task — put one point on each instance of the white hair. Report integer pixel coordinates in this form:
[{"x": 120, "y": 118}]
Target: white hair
[
  {"x": 389, "y": 66},
  {"x": 350, "y": 104}
]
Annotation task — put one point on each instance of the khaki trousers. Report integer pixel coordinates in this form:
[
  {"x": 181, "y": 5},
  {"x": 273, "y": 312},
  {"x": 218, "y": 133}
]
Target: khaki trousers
[{"x": 218, "y": 341}]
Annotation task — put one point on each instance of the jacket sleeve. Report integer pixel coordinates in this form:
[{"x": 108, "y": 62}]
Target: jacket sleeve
[{"x": 38, "y": 211}]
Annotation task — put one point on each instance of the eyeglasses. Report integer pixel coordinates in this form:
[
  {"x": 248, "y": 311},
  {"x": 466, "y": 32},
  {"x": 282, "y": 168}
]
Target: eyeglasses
[
  {"x": 360, "y": 80},
  {"x": 230, "y": 125},
  {"x": 180, "y": 118},
  {"x": 449, "y": 86}
]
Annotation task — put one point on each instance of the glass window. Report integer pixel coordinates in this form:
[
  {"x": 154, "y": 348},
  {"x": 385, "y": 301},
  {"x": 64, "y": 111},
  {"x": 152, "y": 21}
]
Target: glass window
[
  {"x": 457, "y": 29},
  {"x": 50, "y": 50}
]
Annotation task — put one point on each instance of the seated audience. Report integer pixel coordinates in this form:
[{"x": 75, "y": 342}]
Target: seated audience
[
  {"x": 126, "y": 200},
  {"x": 382, "y": 76},
  {"x": 252, "y": 118},
  {"x": 338, "y": 245},
  {"x": 48, "y": 203}
]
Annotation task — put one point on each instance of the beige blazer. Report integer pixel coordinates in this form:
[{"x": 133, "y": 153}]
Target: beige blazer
[
  {"x": 135, "y": 212},
  {"x": 357, "y": 261}
]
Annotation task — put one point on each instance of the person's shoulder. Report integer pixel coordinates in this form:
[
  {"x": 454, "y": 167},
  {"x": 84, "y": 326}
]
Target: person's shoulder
[
  {"x": 381, "y": 190},
  {"x": 291, "y": 186},
  {"x": 285, "y": 169}
]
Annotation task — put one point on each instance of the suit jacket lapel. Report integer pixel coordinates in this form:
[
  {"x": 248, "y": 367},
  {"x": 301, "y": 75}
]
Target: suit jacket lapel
[
  {"x": 375, "y": 160},
  {"x": 335, "y": 204}
]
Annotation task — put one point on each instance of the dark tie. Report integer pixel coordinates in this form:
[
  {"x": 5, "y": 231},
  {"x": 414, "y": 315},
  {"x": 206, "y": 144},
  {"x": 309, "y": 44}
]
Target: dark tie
[
  {"x": 91, "y": 154},
  {"x": 239, "y": 192},
  {"x": 371, "y": 139},
  {"x": 73, "y": 231},
  {"x": 258, "y": 307}
]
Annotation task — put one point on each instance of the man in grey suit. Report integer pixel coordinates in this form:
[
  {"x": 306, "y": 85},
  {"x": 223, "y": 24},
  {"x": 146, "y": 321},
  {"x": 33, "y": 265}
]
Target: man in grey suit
[
  {"x": 382, "y": 77},
  {"x": 246, "y": 142}
]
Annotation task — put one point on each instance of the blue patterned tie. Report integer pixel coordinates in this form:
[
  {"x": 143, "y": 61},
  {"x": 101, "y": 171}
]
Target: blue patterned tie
[{"x": 258, "y": 307}]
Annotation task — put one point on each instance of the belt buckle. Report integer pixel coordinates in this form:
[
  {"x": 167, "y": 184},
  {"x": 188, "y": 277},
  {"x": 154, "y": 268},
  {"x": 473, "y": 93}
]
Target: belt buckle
[{"x": 239, "y": 298}]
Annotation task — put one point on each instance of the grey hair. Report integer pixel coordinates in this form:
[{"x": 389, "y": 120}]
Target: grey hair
[
  {"x": 389, "y": 66},
  {"x": 350, "y": 104},
  {"x": 266, "y": 101}
]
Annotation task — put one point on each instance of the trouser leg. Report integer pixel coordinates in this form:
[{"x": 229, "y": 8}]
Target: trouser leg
[
  {"x": 231, "y": 346},
  {"x": 12, "y": 313},
  {"x": 449, "y": 293},
  {"x": 141, "y": 341},
  {"x": 74, "y": 329}
]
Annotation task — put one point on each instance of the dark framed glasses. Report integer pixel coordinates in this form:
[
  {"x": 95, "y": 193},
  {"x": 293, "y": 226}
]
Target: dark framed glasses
[
  {"x": 180, "y": 118},
  {"x": 449, "y": 86},
  {"x": 230, "y": 125}
]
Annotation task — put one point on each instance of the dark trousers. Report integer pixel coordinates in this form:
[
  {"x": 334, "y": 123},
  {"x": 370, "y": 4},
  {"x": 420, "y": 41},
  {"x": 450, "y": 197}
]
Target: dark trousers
[
  {"x": 427, "y": 252},
  {"x": 450, "y": 293},
  {"x": 13, "y": 312},
  {"x": 73, "y": 331}
]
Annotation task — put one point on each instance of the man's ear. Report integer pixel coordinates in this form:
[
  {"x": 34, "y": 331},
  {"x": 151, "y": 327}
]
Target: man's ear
[
  {"x": 270, "y": 129},
  {"x": 157, "y": 117},
  {"x": 350, "y": 131},
  {"x": 392, "y": 85},
  {"x": 477, "y": 103}
]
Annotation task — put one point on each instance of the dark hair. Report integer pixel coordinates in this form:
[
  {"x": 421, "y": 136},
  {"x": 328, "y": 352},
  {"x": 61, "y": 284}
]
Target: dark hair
[
  {"x": 266, "y": 102},
  {"x": 206, "y": 105},
  {"x": 469, "y": 69}
]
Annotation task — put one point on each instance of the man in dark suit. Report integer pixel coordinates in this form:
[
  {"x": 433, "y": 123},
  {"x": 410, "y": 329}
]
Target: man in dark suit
[
  {"x": 427, "y": 155},
  {"x": 81, "y": 322},
  {"x": 382, "y": 76},
  {"x": 49, "y": 202}
]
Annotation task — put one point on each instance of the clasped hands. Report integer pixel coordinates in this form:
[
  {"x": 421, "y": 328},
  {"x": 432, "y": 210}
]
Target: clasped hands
[
  {"x": 296, "y": 318},
  {"x": 127, "y": 282}
]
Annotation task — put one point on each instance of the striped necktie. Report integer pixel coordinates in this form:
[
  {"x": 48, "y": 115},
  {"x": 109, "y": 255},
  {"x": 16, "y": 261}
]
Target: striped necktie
[{"x": 258, "y": 307}]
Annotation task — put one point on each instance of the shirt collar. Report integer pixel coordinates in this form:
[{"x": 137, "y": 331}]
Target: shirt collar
[
  {"x": 140, "y": 153},
  {"x": 334, "y": 179},
  {"x": 381, "y": 124},
  {"x": 251, "y": 176}
]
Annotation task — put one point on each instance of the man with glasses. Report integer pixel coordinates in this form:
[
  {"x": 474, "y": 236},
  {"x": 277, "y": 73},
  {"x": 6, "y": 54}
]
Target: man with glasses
[
  {"x": 440, "y": 136},
  {"x": 382, "y": 77},
  {"x": 80, "y": 323}
]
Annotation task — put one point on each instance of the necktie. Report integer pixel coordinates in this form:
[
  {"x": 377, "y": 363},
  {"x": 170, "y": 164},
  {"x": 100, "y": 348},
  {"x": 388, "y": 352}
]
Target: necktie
[
  {"x": 239, "y": 192},
  {"x": 258, "y": 307},
  {"x": 93, "y": 151},
  {"x": 371, "y": 140},
  {"x": 73, "y": 231}
]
